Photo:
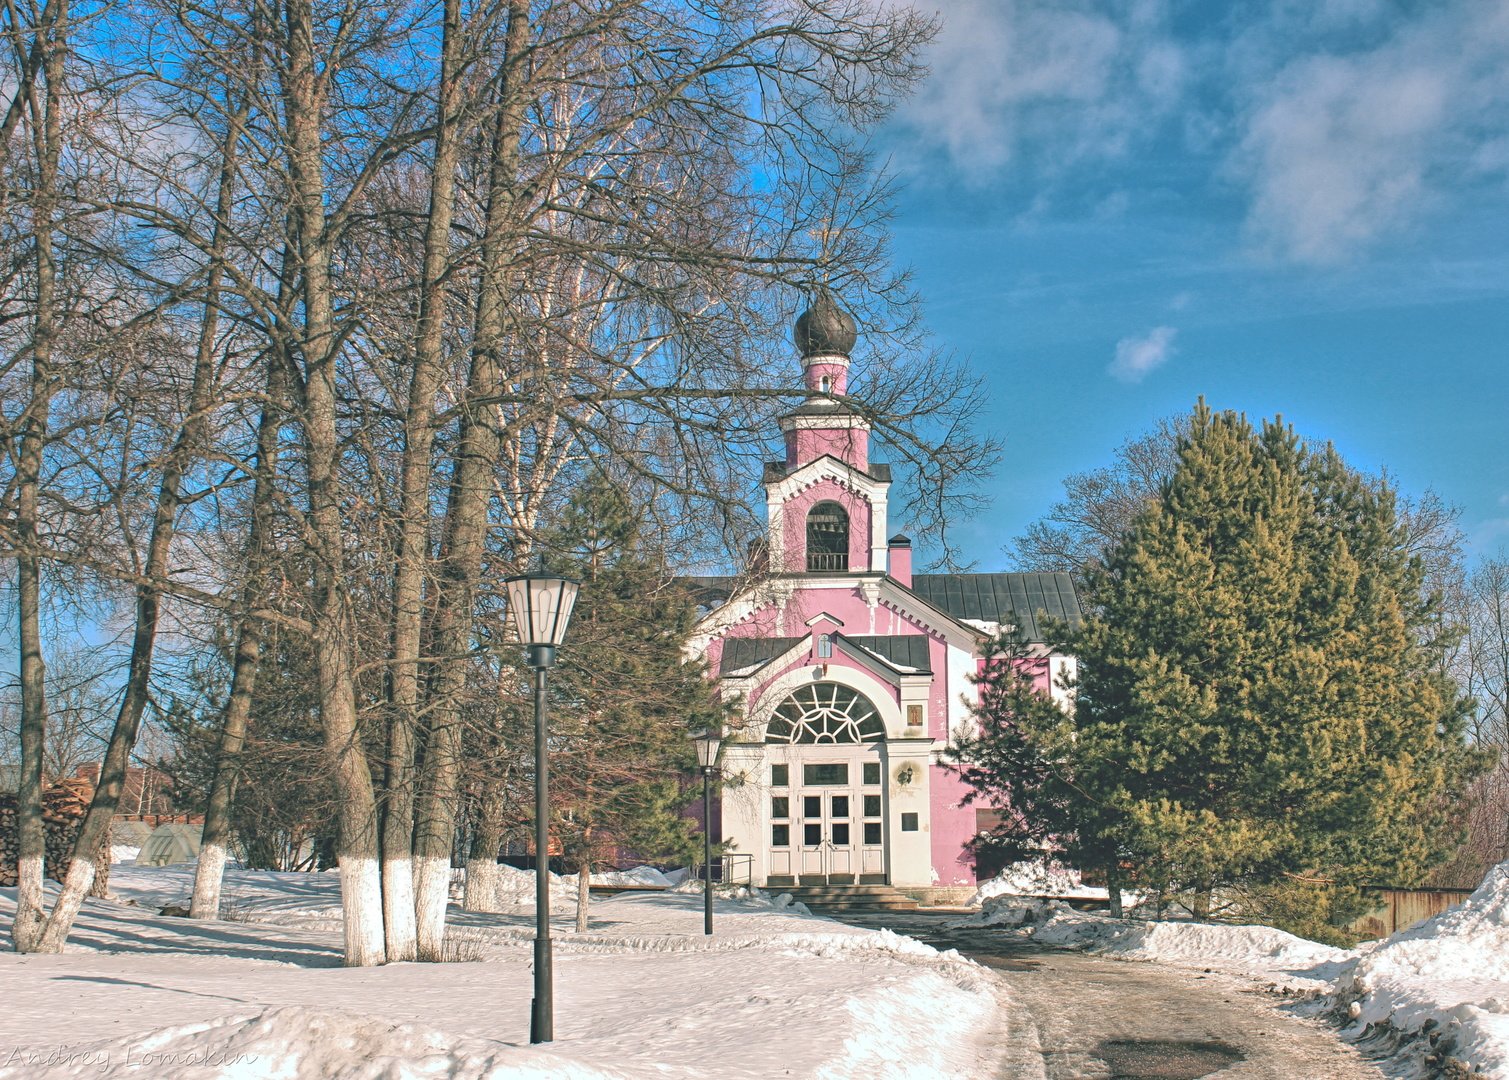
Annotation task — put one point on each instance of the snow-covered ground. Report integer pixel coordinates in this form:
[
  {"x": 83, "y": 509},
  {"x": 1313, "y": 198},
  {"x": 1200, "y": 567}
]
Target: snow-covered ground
[
  {"x": 1447, "y": 979},
  {"x": 774, "y": 992}
]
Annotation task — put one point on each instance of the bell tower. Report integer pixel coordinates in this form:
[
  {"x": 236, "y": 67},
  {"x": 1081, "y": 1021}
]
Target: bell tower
[{"x": 827, "y": 503}]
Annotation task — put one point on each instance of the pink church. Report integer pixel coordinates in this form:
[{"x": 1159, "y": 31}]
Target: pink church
[{"x": 852, "y": 671}]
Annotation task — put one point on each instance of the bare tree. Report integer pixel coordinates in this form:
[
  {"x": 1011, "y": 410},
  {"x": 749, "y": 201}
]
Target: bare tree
[{"x": 41, "y": 43}]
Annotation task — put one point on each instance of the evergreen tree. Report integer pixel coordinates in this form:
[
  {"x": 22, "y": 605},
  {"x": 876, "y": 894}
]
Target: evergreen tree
[
  {"x": 1259, "y": 699},
  {"x": 626, "y": 699},
  {"x": 1018, "y": 758}
]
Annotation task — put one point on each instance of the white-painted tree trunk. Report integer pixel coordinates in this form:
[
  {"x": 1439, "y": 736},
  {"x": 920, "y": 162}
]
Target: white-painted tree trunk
[
  {"x": 483, "y": 879},
  {"x": 31, "y": 913},
  {"x": 361, "y": 905},
  {"x": 398, "y": 913},
  {"x": 209, "y": 876},
  {"x": 432, "y": 886},
  {"x": 76, "y": 884}
]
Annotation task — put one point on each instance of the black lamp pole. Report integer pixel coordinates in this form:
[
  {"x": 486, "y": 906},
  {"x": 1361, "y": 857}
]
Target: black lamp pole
[
  {"x": 707, "y": 848},
  {"x": 707, "y": 756},
  {"x": 542, "y": 1008},
  {"x": 540, "y": 605}
]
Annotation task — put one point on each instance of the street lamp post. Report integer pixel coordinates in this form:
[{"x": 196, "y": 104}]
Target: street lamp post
[
  {"x": 707, "y": 757},
  {"x": 541, "y": 607}
]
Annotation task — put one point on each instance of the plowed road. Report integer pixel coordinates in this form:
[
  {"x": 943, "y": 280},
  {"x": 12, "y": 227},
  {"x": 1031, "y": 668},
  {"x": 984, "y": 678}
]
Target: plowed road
[{"x": 1070, "y": 1015}]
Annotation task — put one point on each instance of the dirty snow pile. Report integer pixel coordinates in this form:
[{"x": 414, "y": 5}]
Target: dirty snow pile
[
  {"x": 1244, "y": 950},
  {"x": 1035, "y": 878},
  {"x": 1046, "y": 878},
  {"x": 1449, "y": 977},
  {"x": 642, "y": 994}
]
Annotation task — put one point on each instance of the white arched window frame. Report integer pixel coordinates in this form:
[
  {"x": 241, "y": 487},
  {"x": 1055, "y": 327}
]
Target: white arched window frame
[{"x": 825, "y": 712}]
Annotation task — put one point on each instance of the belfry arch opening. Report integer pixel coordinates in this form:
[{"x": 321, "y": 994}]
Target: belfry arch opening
[{"x": 827, "y": 537}]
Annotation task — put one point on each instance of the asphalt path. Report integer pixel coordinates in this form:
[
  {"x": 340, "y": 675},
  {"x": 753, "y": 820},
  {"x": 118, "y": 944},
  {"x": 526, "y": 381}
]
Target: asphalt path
[{"x": 1071, "y": 1015}]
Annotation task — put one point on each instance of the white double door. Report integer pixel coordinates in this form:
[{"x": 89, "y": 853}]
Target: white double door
[{"x": 833, "y": 810}]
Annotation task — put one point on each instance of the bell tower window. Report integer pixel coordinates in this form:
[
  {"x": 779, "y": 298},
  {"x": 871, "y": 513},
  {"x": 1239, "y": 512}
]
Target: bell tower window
[
  {"x": 826, "y": 384},
  {"x": 827, "y": 537}
]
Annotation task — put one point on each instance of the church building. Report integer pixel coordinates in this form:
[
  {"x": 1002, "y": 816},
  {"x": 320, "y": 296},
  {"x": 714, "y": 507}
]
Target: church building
[{"x": 852, "y": 672}]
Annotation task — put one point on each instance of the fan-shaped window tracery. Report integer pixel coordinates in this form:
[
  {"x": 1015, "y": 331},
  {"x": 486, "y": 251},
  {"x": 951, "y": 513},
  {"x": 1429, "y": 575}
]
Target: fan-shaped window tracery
[{"x": 825, "y": 713}]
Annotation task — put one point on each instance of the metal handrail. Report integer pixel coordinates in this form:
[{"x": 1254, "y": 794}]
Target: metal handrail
[{"x": 729, "y": 870}]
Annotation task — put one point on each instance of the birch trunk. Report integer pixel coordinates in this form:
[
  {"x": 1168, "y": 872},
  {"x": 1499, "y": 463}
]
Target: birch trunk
[{"x": 477, "y": 456}]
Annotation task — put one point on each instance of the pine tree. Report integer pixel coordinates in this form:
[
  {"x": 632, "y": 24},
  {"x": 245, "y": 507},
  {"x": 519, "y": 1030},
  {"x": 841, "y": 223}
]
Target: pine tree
[
  {"x": 626, "y": 698},
  {"x": 1259, "y": 698}
]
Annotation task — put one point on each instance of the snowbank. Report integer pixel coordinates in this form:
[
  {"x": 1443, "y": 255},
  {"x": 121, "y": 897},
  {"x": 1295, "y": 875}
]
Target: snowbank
[
  {"x": 1036, "y": 878},
  {"x": 637, "y": 876},
  {"x": 1448, "y": 977},
  {"x": 1259, "y": 951}
]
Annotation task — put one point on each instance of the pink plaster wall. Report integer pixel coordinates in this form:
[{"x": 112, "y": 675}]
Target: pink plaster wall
[
  {"x": 951, "y": 825},
  {"x": 851, "y": 445},
  {"x": 794, "y": 526}
]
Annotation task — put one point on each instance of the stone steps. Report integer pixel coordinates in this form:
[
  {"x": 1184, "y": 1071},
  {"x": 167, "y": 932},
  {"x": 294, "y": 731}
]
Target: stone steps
[{"x": 851, "y": 897}]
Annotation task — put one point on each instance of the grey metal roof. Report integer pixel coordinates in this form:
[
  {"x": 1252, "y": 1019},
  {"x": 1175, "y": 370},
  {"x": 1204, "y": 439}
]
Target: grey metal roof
[
  {"x": 902, "y": 650},
  {"x": 746, "y": 652},
  {"x": 1004, "y": 598}
]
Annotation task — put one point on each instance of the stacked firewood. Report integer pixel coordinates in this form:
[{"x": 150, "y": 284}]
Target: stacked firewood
[{"x": 63, "y": 808}]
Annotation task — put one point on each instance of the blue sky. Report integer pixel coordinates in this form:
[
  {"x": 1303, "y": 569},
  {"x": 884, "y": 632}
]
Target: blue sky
[{"x": 1297, "y": 208}]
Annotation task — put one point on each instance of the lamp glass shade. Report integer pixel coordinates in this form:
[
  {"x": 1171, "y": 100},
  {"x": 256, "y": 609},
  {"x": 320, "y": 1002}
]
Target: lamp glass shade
[
  {"x": 541, "y": 606},
  {"x": 707, "y": 747}
]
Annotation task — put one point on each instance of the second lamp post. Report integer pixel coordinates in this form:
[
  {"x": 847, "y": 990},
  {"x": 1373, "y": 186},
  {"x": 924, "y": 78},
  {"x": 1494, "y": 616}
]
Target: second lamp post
[
  {"x": 541, "y": 606},
  {"x": 707, "y": 757}
]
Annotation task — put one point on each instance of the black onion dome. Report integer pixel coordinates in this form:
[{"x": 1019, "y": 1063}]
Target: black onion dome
[{"x": 825, "y": 329}]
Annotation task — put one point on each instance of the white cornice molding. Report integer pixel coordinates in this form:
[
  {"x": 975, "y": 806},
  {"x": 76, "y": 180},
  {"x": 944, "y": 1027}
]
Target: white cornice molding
[
  {"x": 824, "y": 358},
  {"x": 847, "y": 421}
]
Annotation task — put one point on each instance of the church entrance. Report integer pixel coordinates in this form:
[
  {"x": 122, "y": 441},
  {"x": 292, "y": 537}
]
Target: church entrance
[{"x": 825, "y": 752}]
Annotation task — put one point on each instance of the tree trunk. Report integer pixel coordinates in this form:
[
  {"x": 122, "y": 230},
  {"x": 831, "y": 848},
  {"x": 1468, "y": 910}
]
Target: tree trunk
[
  {"x": 1113, "y": 888},
  {"x": 188, "y": 443},
  {"x": 466, "y": 518},
  {"x": 46, "y": 132},
  {"x": 482, "y": 874},
  {"x": 334, "y": 630},
  {"x": 583, "y": 884},
  {"x": 209, "y": 874},
  {"x": 412, "y": 556}
]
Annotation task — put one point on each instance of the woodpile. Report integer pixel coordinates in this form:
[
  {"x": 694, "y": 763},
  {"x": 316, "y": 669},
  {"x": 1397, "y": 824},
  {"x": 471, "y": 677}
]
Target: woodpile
[{"x": 63, "y": 808}]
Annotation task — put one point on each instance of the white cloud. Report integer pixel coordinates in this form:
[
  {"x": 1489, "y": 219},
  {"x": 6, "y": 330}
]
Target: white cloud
[
  {"x": 1340, "y": 150},
  {"x": 1137, "y": 356},
  {"x": 1009, "y": 73}
]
